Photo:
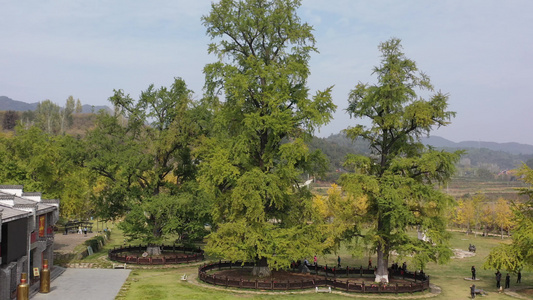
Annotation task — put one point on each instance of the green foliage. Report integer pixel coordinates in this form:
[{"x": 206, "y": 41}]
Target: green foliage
[
  {"x": 49, "y": 164},
  {"x": 143, "y": 157},
  {"x": 253, "y": 162},
  {"x": 48, "y": 116},
  {"x": 400, "y": 176},
  {"x": 10, "y": 120},
  {"x": 519, "y": 254}
]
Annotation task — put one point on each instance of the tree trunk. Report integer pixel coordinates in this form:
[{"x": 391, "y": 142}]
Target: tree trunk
[
  {"x": 153, "y": 250},
  {"x": 382, "y": 272},
  {"x": 261, "y": 268}
]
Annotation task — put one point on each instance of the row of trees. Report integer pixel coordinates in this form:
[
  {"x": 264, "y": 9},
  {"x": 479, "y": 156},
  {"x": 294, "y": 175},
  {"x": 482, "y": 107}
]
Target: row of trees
[
  {"x": 48, "y": 116},
  {"x": 476, "y": 214},
  {"x": 518, "y": 254},
  {"x": 165, "y": 163}
]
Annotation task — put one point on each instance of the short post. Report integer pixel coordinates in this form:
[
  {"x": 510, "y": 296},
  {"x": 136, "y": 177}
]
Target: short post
[
  {"x": 23, "y": 289},
  {"x": 45, "y": 278}
]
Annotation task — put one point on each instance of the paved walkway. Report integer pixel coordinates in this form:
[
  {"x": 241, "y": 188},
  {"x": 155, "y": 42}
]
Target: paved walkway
[{"x": 86, "y": 284}]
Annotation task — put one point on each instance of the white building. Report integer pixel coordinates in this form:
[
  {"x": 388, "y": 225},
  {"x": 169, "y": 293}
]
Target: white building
[{"x": 26, "y": 235}]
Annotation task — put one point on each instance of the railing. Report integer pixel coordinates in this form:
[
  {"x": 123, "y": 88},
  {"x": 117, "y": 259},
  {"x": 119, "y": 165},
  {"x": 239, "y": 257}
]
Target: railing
[
  {"x": 195, "y": 254},
  {"x": 421, "y": 281}
]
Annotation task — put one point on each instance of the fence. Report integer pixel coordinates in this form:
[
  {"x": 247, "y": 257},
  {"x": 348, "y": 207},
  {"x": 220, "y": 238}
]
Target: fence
[
  {"x": 195, "y": 254},
  {"x": 420, "y": 281}
]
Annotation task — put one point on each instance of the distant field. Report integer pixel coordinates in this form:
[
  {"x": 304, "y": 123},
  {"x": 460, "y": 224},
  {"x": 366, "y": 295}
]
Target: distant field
[{"x": 461, "y": 186}]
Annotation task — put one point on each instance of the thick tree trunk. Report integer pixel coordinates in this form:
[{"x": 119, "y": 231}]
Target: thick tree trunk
[
  {"x": 261, "y": 268},
  {"x": 153, "y": 250},
  {"x": 382, "y": 272}
]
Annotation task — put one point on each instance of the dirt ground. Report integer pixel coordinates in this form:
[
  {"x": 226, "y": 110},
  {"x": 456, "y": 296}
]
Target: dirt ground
[{"x": 66, "y": 243}]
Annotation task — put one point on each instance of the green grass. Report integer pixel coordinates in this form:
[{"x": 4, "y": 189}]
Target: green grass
[{"x": 166, "y": 283}]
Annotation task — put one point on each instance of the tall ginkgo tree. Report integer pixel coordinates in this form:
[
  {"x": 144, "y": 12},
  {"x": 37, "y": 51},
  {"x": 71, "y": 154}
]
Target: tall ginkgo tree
[
  {"x": 253, "y": 164},
  {"x": 401, "y": 177}
]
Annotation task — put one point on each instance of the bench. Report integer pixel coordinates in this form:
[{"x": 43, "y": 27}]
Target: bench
[
  {"x": 324, "y": 290},
  {"x": 119, "y": 266}
]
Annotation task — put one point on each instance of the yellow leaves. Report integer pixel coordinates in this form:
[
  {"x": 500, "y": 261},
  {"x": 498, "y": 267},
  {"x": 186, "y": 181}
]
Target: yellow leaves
[
  {"x": 340, "y": 206},
  {"x": 504, "y": 214},
  {"x": 320, "y": 206}
]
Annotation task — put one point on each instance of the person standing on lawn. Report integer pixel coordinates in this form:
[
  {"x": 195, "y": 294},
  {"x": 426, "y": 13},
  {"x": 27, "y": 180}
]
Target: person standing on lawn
[
  {"x": 473, "y": 273},
  {"x": 507, "y": 281}
]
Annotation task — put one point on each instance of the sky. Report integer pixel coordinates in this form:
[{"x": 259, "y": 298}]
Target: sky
[{"x": 477, "y": 51}]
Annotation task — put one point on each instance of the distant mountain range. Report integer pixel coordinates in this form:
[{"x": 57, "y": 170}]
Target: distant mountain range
[
  {"x": 7, "y": 103},
  {"x": 512, "y": 148}
]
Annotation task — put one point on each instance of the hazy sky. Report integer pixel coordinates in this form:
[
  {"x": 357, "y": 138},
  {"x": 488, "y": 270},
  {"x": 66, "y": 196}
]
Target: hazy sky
[{"x": 478, "y": 51}]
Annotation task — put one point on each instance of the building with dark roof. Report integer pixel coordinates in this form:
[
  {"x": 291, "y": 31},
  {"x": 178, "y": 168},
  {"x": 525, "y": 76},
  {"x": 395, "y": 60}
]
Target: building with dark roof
[{"x": 26, "y": 235}]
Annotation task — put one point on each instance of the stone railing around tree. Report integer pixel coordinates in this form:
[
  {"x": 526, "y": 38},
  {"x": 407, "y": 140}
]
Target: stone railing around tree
[
  {"x": 418, "y": 282},
  {"x": 190, "y": 255}
]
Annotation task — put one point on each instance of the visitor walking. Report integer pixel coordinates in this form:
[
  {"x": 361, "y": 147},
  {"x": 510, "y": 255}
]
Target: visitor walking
[
  {"x": 338, "y": 261},
  {"x": 518, "y": 277},
  {"x": 473, "y": 273},
  {"x": 498, "y": 278},
  {"x": 315, "y": 261}
]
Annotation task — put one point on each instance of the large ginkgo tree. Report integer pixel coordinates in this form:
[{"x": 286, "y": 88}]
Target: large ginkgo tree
[
  {"x": 263, "y": 115},
  {"x": 400, "y": 179}
]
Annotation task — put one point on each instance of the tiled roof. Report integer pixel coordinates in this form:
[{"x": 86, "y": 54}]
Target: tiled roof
[
  {"x": 10, "y": 214},
  {"x": 18, "y": 207},
  {"x": 29, "y": 194},
  {"x": 11, "y": 187}
]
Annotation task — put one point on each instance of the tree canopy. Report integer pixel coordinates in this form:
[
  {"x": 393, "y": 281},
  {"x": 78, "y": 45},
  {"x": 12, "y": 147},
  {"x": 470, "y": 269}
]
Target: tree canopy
[
  {"x": 517, "y": 255},
  {"x": 255, "y": 160},
  {"x": 143, "y": 154},
  {"x": 400, "y": 178}
]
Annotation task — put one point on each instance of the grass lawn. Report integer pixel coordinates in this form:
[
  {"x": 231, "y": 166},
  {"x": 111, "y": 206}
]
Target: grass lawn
[{"x": 166, "y": 283}]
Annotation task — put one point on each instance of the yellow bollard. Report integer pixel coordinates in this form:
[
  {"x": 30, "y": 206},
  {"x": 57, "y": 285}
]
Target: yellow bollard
[
  {"x": 45, "y": 278},
  {"x": 23, "y": 289}
]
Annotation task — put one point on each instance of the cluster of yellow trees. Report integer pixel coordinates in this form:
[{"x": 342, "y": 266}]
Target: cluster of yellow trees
[{"x": 477, "y": 214}]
